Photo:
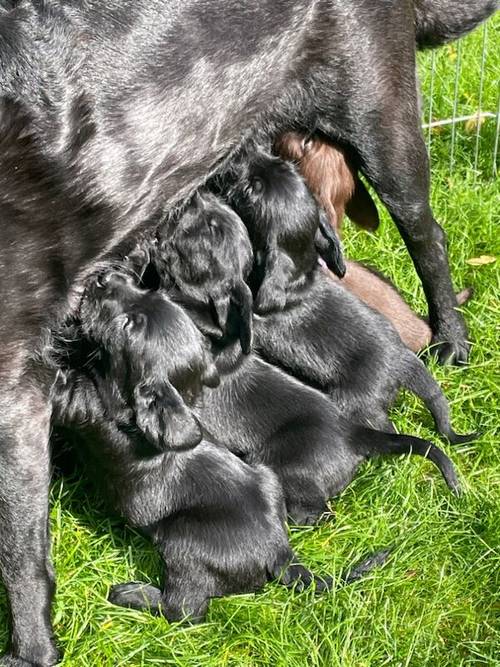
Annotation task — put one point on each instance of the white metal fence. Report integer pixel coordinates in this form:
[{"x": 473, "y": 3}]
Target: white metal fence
[{"x": 461, "y": 93}]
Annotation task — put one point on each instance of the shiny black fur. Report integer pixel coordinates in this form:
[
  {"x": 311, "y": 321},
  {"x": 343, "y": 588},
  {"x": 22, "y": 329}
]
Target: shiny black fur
[
  {"x": 309, "y": 325},
  {"x": 112, "y": 112},
  {"x": 218, "y": 522},
  {"x": 258, "y": 411}
]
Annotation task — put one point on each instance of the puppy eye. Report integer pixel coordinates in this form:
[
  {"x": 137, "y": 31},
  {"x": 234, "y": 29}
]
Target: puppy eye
[
  {"x": 213, "y": 224},
  {"x": 257, "y": 185}
]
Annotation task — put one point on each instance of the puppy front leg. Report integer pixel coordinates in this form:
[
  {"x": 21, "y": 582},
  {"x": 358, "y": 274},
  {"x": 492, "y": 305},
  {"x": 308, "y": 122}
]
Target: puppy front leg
[{"x": 24, "y": 536}]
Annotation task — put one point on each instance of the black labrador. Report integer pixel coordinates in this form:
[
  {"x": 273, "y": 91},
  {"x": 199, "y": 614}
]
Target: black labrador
[
  {"x": 257, "y": 410},
  {"x": 217, "y": 522},
  {"x": 366, "y": 363},
  {"x": 109, "y": 113}
]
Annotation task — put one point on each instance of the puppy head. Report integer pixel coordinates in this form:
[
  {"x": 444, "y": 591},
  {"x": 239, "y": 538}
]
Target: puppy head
[
  {"x": 284, "y": 222},
  {"x": 331, "y": 177},
  {"x": 157, "y": 359},
  {"x": 207, "y": 255}
]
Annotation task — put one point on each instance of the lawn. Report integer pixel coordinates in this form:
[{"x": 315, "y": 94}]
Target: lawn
[{"x": 437, "y": 600}]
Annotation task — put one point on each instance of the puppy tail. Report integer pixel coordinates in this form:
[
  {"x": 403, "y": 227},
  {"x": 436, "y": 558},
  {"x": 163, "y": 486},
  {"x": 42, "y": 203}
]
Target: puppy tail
[
  {"x": 299, "y": 578},
  {"x": 420, "y": 382},
  {"x": 439, "y": 22},
  {"x": 376, "y": 443}
]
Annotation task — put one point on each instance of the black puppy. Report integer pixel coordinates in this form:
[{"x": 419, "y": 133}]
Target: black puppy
[
  {"x": 218, "y": 523},
  {"x": 258, "y": 411},
  {"x": 299, "y": 309},
  {"x": 129, "y": 107}
]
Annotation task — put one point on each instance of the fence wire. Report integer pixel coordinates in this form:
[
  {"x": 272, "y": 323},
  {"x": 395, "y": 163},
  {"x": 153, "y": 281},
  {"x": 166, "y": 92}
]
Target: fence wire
[{"x": 461, "y": 95}]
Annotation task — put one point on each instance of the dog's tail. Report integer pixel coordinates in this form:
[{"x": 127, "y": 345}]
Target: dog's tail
[
  {"x": 370, "y": 443},
  {"x": 441, "y": 21},
  {"x": 419, "y": 381}
]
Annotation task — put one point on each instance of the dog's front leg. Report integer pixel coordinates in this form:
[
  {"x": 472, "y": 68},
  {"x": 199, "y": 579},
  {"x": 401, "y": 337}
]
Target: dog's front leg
[
  {"x": 394, "y": 158},
  {"x": 24, "y": 536}
]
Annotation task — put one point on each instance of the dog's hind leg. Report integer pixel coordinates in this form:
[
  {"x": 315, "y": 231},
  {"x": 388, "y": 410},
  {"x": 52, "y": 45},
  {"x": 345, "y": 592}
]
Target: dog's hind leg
[
  {"x": 24, "y": 542},
  {"x": 387, "y": 137}
]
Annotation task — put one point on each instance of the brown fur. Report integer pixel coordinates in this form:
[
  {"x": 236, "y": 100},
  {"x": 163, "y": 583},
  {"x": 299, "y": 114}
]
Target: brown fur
[
  {"x": 335, "y": 183},
  {"x": 331, "y": 178}
]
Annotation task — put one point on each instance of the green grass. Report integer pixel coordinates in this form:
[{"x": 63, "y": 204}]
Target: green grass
[{"x": 437, "y": 601}]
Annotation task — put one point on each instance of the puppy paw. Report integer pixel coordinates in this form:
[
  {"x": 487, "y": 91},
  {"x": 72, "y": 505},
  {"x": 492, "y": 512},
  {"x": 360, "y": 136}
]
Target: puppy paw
[
  {"x": 136, "y": 595},
  {"x": 306, "y": 516},
  {"x": 299, "y": 578}
]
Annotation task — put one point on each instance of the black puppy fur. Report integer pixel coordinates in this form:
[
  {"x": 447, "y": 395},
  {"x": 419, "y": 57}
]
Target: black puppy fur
[
  {"x": 218, "y": 523},
  {"x": 112, "y": 113},
  {"x": 258, "y": 411},
  {"x": 299, "y": 308}
]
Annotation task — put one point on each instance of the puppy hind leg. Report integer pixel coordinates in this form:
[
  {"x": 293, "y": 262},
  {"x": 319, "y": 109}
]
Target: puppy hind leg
[
  {"x": 305, "y": 503},
  {"x": 24, "y": 543},
  {"x": 420, "y": 382}
]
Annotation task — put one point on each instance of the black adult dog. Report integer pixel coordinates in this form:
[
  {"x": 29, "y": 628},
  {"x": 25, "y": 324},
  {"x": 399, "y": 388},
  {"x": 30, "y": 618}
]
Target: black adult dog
[
  {"x": 299, "y": 308},
  {"x": 257, "y": 410},
  {"x": 103, "y": 121},
  {"x": 218, "y": 523}
]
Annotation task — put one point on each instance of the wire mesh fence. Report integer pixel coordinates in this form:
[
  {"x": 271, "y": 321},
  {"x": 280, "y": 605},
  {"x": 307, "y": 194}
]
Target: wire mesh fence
[{"x": 461, "y": 103}]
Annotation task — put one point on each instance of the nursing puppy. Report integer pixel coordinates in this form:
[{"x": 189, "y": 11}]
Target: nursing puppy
[
  {"x": 257, "y": 410},
  {"x": 333, "y": 179},
  {"x": 124, "y": 390},
  {"x": 164, "y": 92},
  {"x": 299, "y": 309}
]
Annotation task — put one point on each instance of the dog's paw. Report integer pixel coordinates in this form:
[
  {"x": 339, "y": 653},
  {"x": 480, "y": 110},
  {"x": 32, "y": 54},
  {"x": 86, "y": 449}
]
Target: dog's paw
[
  {"x": 299, "y": 578},
  {"x": 10, "y": 661},
  {"x": 136, "y": 595},
  {"x": 450, "y": 344},
  {"x": 306, "y": 516},
  {"x": 46, "y": 658}
]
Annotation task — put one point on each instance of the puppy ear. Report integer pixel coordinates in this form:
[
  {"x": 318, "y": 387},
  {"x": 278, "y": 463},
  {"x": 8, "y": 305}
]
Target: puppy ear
[
  {"x": 361, "y": 208},
  {"x": 164, "y": 418},
  {"x": 221, "y": 304},
  {"x": 243, "y": 301},
  {"x": 273, "y": 290},
  {"x": 329, "y": 247}
]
